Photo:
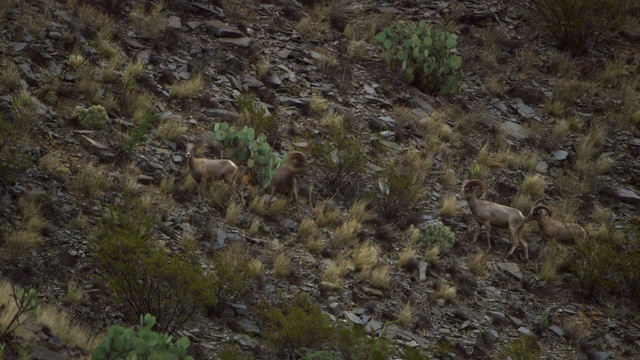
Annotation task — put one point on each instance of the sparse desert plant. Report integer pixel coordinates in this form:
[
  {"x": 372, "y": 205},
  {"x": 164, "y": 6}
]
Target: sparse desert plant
[
  {"x": 405, "y": 317},
  {"x": 233, "y": 272},
  {"x": 232, "y": 215},
  {"x": 326, "y": 62},
  {"x": 258, "y": 205},
  {"x": 94, "y": 117},
  {"x": 187, "y": 88},
  {"x": 332, "y": 121},
  {"x": 151, "y": 23},
  {"x": 282, "y": 265},
  {"x": 279, "y": 208},
  {"x": 17, "y": 244},
  {"x": 167, "y": 184},
  {"x": 52, "y": 165},
  {"x": 575, "y": 330},
  {"x": 91, "y": 181},
  {"x": 522, "y": 202},
  {"x": 432, "y": 254},
  {"x": 317, "y": 104},
  {"x": 346, "y": 234},
  {"x": 315, "y": 245},
  {"x": 357, "y": 49},
  {"x": 254, "y": 268},
  {"x": 552, "y": 262},
  {"x": 307, "y": 229},
  {"x": 254, "y": 229},
  {"x": 366, "y": 256},
  {"x": 380, "y": 277},
  {"x": 400, "y": 186},
  {"x": 335, "y": 272},
  {"x": 9, "y": 77},
  {"x": 358, "y": 211},
  {"x": 445, "y": 291},
  {"x": 61, "y": 324},
  {"x": 524, "y": 348},
  {"x": 74, "y": 294},
  {"x": 450, "y": 206},
  {"x": 436, "y": 233},
  {"x": 254, "y": 115},
  {"x": 325, "y": 214},
  {"x": 406, "y": 257},
  {"x": 172, "y": 130},
  {"x": 477, "y": 263},
  {"x": 311, "y": 28},
  {"x": 534, "y": 185}
]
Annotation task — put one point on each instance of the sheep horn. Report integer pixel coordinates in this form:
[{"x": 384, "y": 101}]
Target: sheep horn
[
  {"x": 541, "y": 207},
  {"x": 467, "y": 183},
  {"x": 539, "y": 202}
]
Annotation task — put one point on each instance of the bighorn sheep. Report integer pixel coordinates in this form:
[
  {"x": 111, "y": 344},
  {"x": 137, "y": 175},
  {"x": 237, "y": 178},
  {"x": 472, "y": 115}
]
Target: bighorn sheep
[
  {"x": 203, "y": 170},
  {"x": 284, "y": 179},
  {"x": 550, "y": 229},
  {"x": 490, "y": 214}
]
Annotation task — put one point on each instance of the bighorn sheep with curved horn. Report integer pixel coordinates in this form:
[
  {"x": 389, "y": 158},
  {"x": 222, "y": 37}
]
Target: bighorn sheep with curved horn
[
  {"x": 490, "y": 214},
  {"x": 203, "y": 170},
  {"x": 550, "y": 229},
  {"x": 284, "y": 180}
]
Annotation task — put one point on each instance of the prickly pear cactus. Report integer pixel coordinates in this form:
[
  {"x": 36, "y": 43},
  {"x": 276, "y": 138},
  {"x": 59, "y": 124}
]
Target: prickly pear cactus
[
  {"x": 95, "y": 117},
  {"x": 436, "y": 233}
]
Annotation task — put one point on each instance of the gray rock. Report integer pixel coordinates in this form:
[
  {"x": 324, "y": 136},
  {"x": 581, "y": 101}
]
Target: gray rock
[
  {"x": 560, "y": 155},
  {"x": 627, "y": 195},
  {"x": 391, "y": 145},
  {"x": 542, "y": 167},
  {"x": 245, "y": 341},
  {"x": 242, "y": 42},
  {"x": 557, "y": 330},
  {"x": 511, "y": 268},
  {"x": 240, "y": 309},
  {"x": 335, "y": 308},
  {"x": 422, "y": 270},
  {"x": 178, "y": 159},
  {"x": 524, "y": 109},
  {"x": 374, "y": 325},
  {"x": 289, "y": 224},
  {"x": 222, "y": 114},
  {"x": 245, "y": 326},
  {"x": 220, "y": 29},
  {"x": 20, "y": 47},
  {"x": 133, "y": 44},
  {"x": 524, "y": 331},
  {"x": 497, "y": 317},
  {"x": 174, "y": 22},
  {"x": 593, "y": 354},
  {"x": 514, "y": 130},
  {"x": 353, "y": 318},
  {"x": 28, "y": 74},
  {"x": 272, "y": 79}
]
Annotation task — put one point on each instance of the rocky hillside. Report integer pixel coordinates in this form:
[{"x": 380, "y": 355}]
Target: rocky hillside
[{"x": 99, "y": 99}]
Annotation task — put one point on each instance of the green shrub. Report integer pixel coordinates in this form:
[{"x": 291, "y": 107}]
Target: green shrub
[
  {"x": 436, "y": 233},
  {"x": 400, "y": 186},
  {"x": 578, "y": 25},
  {"x": 355, "y": 343},
  {"x": 125, "y": 343},
  {"x": 257, "y": 116},
  {"x": 524, "y": 348},
  {"x": 148, "y": 118},
  {"x": 595, "y": 269},
  {"x": 341, "y": 162},
  {"x": 145, "y": 278},
  {"x": 425, "y": 56},
  {"x": 232, "y": 352},
  {"x": 95, "y": 117},
  {"x": 296, "y": 325}
]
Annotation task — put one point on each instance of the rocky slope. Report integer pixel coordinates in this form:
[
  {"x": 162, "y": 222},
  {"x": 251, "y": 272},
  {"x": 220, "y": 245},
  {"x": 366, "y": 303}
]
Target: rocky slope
[{"x": 511, "y": 98}]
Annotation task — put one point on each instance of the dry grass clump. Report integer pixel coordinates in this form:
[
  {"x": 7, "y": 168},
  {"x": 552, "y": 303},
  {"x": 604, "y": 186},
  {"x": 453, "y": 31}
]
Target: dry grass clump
[
  {"x": 575, "y": 330},
  {"x": 254, "y": 229},
  {"x": 307, "y": 229},
  {"x": 32, "y": 219},
  {"x": 218, "y": 194},
  {"x": 380, "y": 277},
  {"x": 534, "y": 185},
  {"x": 437, "y": 133},
  {"x": 279, "y": 208},
  {"x": 366, "y": 27},
  {"x": 172, "y": 130},
  {"x": 318, "y": 105},
  {"x": 258, "y": 205},
  {"x": 448, "y": 178},
  {"x": 187, "y": 88},
  {"x": 282, "y": 265},
  {"x": 168, "y": 184},
  {"x": 346, "y": 234},
  {"x": 315, "y": 245},
  {"x": 432, "y": 254},
  {"x": 358, "y": 211},
  {"x": 553, "y": 259},
  {"x": 587, "y": 148},
  {"x": 407, "y": 256},
  {"x": 326, "y": 61},
  {"x": 52, "y": 165},
  {"x": 405, "y": 317},
  {"x": 311, "y": 28},
  {"x": 445, "y": 291},
  {"x": 332, "y": 121},
  {"x": 326, "y": 215},
  {"x": 98, "y": 20},
  {"x": 450, "y": 206},
  {"x": 523, "y": 159},
  {"x": 61, "y": 324},
  {"x": 232, "y": 215},
  {"x": 522, "y": 202},
  {"x": 477, "y": 263},
  {"x": 91, "y": 181},
  {"x": 487, "y": 158},
  {"x": 152, "y": 23},
  {"x": 74, "y": 295},
  {"x": 335, "y": 272},
  {"x": 106, "y": 46},
  {"x": 9, "y": 77},
  {"x": 365, "y": 256},
  {"x": 19, "y": 243},
  {"x": 255, "y": 268},
  {"x": 567, "y": 91},
  {"x": 357, "y": 49}
]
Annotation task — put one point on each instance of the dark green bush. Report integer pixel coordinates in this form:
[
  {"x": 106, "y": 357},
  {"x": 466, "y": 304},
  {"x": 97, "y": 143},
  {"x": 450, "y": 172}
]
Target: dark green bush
[
  {"x": 354, "y": 343},
  {"x": 145, "y": 278},
  {"x": 295, "y": 325},
  {"x": 524, "y": 348},
  {"x": 594, "y": 269},
  {"x": 424, "y": 54},
  {"x": 578, "y": 25},
  {"x": 401, "y": 185},
  {"x": 341, "y": 162},
  {"x": 125, "y": 343},
  {"x": 436, "y": 233}
]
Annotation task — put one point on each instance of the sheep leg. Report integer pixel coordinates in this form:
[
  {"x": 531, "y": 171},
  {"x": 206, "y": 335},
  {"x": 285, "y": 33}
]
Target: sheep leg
[
  {"x": 199, "y": 189},
  {"x": 487, "y": 225},
  {"x": 516, "y": 239},
  {"x": 475, "y": 235},
  {"x": 295, "y": 197}
]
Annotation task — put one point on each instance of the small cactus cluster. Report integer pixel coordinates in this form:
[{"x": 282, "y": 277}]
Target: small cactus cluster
[
  {"x": 436, "y": 233},
  {"x": 249, "y": 149},
  {"x": 95, "y": 117}
]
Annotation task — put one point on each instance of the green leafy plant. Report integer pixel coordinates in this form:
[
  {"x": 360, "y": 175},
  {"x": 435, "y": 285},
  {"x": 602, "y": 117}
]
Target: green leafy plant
[
  {"x": 579, "y": 25},
  {"x": 400, "y": 186},
  {"x": 257, "y": 116},
  {"x": 125, "y": 343},
  {"x": 25, "y": 303},
  {"x": 425, "y": 55},
  {"x": 295, "y": 325},
  {"x": 355, "y": 343},
  {"x": 95, "y": 117},
  {"x": 139, "y": 131},
  {"x": 249, "y": 149},
  {"x": 145, "y": 278},
  {"x": 436, "y": 233},
  {"x": 524, "y": 348}
]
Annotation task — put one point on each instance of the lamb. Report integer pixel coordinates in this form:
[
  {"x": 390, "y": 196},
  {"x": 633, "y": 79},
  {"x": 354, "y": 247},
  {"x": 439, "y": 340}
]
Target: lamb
[
  {"x": 490, "y": 214},
  {"x": 284, "y": 179},
  {"x": 203, "y": 170},
  {"x": 550, "y": 229}
]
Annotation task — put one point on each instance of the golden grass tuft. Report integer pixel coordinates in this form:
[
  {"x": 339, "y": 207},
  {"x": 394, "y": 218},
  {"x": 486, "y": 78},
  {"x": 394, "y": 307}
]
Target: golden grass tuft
[
  {"x": 74, "y": 295},
  {"x": 332, "y": 121},
  {"x": 534, "y": 185},
  {"x": 187, "y": 88},
  {"x": 19, "y": 243},
  {"x": 327, "y": 61},
  {"x": 91, "y": 181},
  {"x": 449, "y": 178},
  {"x": 523, "y": 159},
  {"x": 217, "y": 195},
  {"x": 168, "y": 184},
  {"x": 315, "y": 245},
  {"x": 255, "y": 268},
  {"x": 326, "y": 215},
  {"x": 318, "y": 105},
  {"x": 346, "y": 234},
  {"x": 9, "y": 77},
  {"x": 307, "y": 229},
  {"x": 232, "y": 215},
  {"x": 522, "y": 202},
  {"x": 357, "y": 49},
  {"x": 477, "y": 263},
  {"x": 151, "y": 23},
  {"x": 62, "y": 326},
  {"x": 432, "y": 254},
  {"x": 336, "y": 271},
  {"x": 445, "y": 291},
  {"x": 279, "y": 207},
  {"x": 254, "y": 229},
  {"x": 282, "y": 265},
  {"x": 358, "y": 211},
  {"x": 380, "y": 277},
  {"x": 450, "y": 206},
  {"x": 310, "y": 28},
  {"x": 407, "y": 255},
  {"x": 172, "y": 130},
  {"x": 405, "y": 317},
  {"x": 365, "y": 256},
  {"x": 258, "y": 205}
]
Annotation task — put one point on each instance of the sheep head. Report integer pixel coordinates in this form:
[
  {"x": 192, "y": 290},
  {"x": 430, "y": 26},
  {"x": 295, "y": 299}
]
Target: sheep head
[
  {"x": 535, "y": 212},
  {"x": 297, "y": 162},
  {"x": 469, "y": 185},
  {"x": 190, "y": 151}
]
